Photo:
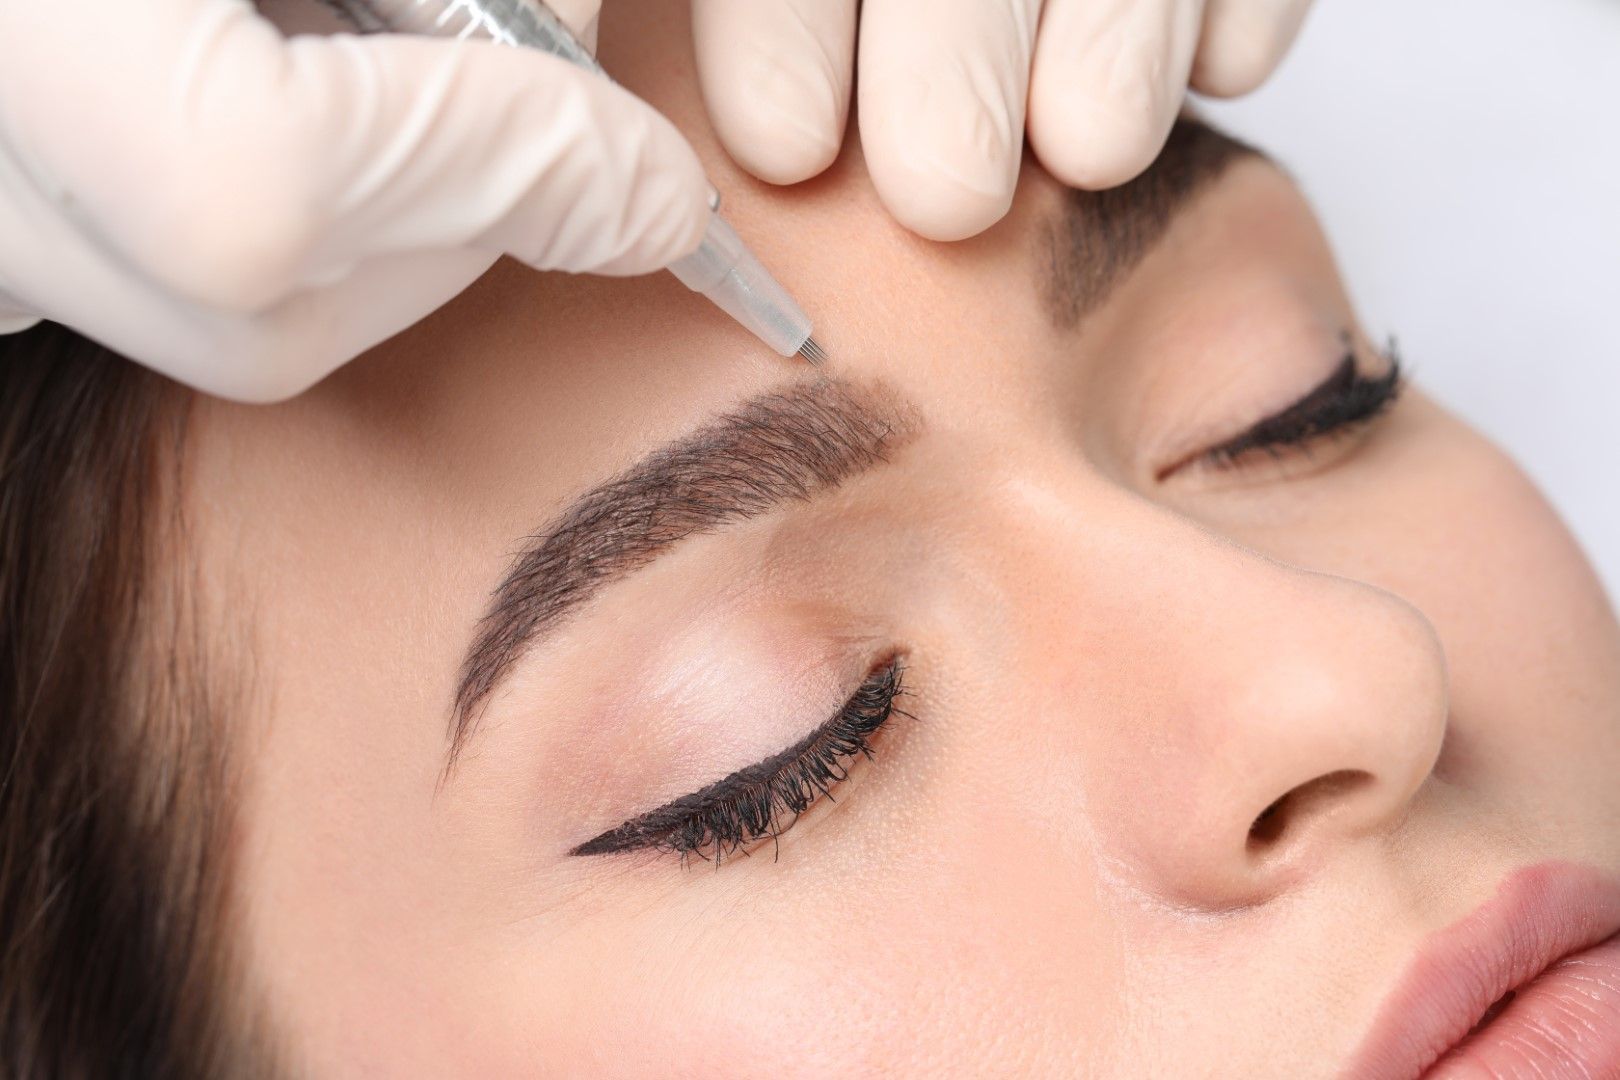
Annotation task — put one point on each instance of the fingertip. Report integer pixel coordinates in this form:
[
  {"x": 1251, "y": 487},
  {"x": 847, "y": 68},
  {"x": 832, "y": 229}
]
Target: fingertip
[
  {"x": 1108, "y": 83},
  {"x": 680, "y": 233},
  {"x": 1092, "y": 142},
  {"x": 938, "y": 186},
  {"x": 781, "y": 122},
  {"x": 937, "y": 209},
  {"x": 667, "y": 209},
  {"x": 1232, "y": 68},
  {"x": 776, "y": 85},
  {"x": 1243, "y": 43},
  {"x": 944, "y": 162},
  {"x": 639, "y": 200}
]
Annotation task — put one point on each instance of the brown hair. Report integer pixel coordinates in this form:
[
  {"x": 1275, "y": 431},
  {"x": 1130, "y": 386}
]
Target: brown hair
[{"x": 114, "y": 779}]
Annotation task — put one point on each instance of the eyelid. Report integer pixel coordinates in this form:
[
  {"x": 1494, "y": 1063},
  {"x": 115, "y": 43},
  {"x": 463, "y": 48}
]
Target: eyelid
[
  {"x": 1345, "y": 400},
  {"x": 746, "y": 803}
]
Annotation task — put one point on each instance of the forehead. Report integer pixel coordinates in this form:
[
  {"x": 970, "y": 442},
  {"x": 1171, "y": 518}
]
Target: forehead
[{"x": 468, "y": 431}]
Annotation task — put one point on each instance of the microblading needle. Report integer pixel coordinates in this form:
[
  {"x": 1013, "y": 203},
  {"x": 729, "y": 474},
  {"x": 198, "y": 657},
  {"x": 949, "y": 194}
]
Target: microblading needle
[{"x": 812, "y": 351}]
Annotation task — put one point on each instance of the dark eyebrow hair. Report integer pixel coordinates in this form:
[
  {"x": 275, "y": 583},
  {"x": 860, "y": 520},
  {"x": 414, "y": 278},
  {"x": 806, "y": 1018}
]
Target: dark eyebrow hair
[
  {"x": 1089, "y": 247},
  {"x": 781, "y": 447}
]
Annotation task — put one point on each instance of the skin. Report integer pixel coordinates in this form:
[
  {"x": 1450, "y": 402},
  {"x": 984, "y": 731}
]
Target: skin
[{"x": 1045, "y": 872}]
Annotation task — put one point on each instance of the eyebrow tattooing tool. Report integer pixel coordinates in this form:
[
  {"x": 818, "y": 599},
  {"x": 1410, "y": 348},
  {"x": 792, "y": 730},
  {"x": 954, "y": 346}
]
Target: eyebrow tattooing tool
[{"x": 722, "y": 268}]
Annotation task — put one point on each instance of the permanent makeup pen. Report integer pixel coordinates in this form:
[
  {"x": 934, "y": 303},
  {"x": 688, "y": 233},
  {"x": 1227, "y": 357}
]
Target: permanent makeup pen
[{"x": 722, "y": 268}]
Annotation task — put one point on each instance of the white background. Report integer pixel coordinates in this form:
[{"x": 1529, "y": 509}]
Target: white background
[{"x": 1465, "y": 158}]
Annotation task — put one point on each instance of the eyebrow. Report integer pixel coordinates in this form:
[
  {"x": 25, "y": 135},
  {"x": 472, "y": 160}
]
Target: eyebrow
[
  {"x": 782, "y": 447},
  {"x": 1098, "y": 237}
]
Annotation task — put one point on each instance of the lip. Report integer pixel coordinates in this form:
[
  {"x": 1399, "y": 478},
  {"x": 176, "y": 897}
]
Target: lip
[{"x": 1535, "y": 937}]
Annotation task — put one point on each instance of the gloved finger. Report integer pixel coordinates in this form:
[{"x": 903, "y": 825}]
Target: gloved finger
[
  {"x": 1243, "y": 41},
  {"x": 277, "y": 353},
  {"x": 265, "y": 355},
  {"x": 1109, "y": 79},
  {"x": 775, "y": 76},
  {"x": 238, "y": 167},
  {"x": 282, "y": 351},
  {"x": 941, "y": 88}
]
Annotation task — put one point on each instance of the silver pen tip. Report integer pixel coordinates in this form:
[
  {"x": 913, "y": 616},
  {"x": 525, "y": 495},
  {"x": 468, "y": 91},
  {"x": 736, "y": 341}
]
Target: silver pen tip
[{"x": 812, "y": 352}]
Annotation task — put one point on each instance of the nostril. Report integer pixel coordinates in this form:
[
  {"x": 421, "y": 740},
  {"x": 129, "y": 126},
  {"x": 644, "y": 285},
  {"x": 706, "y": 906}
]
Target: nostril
[
  {"x": 1294, "y": 807},
  {"x": 1268, "y": 826}
]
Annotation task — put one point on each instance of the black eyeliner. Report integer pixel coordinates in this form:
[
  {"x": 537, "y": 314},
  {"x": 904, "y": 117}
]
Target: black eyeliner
[{"x": 635, "y": 832}]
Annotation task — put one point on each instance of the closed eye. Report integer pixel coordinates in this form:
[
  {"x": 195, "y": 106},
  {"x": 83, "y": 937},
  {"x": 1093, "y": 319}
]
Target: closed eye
[
  {"x": 764, "y": 799},
  {"x": 1343, "y": 403}
]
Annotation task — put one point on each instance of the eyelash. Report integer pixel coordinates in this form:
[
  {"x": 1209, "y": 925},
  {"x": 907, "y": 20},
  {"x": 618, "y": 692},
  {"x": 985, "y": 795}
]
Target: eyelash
[
  {"x": 765, "y": 799},
  {"x": 1346, "y": 401}
]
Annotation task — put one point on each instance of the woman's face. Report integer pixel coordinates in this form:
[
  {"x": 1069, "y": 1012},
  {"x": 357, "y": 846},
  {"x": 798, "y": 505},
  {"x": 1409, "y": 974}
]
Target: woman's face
[{"x": 1126, "y": 621}]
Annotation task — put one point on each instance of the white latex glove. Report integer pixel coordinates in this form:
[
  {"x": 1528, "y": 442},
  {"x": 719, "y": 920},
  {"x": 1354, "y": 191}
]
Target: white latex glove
[
  {"x": 944, "y": 86},
  {"x": 246, "y": 211}
]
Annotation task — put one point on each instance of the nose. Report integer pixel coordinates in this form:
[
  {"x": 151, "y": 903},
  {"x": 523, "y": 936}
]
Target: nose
[{"x": 1246, "y": 718}]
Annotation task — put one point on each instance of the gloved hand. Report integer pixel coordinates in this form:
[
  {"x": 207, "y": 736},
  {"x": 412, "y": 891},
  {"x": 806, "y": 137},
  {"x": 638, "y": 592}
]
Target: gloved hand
[
  {"x": 246, "y": 212},
  {"x": 944, "y": 85}
]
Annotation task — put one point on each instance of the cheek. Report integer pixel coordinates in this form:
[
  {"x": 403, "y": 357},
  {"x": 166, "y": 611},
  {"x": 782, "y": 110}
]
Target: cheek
[
  {"x": 1524, "y": 621},
  {"x": 885, "y": 952},
  {"x": 1531, "y": 640},
  {"x": 720, "y": 981},
  {"x": 1437, "y": 515}
]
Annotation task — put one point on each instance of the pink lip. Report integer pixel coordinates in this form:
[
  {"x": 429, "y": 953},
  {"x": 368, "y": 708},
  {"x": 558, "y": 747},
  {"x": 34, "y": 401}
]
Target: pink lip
[{"x": 1535, "y": 937}]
